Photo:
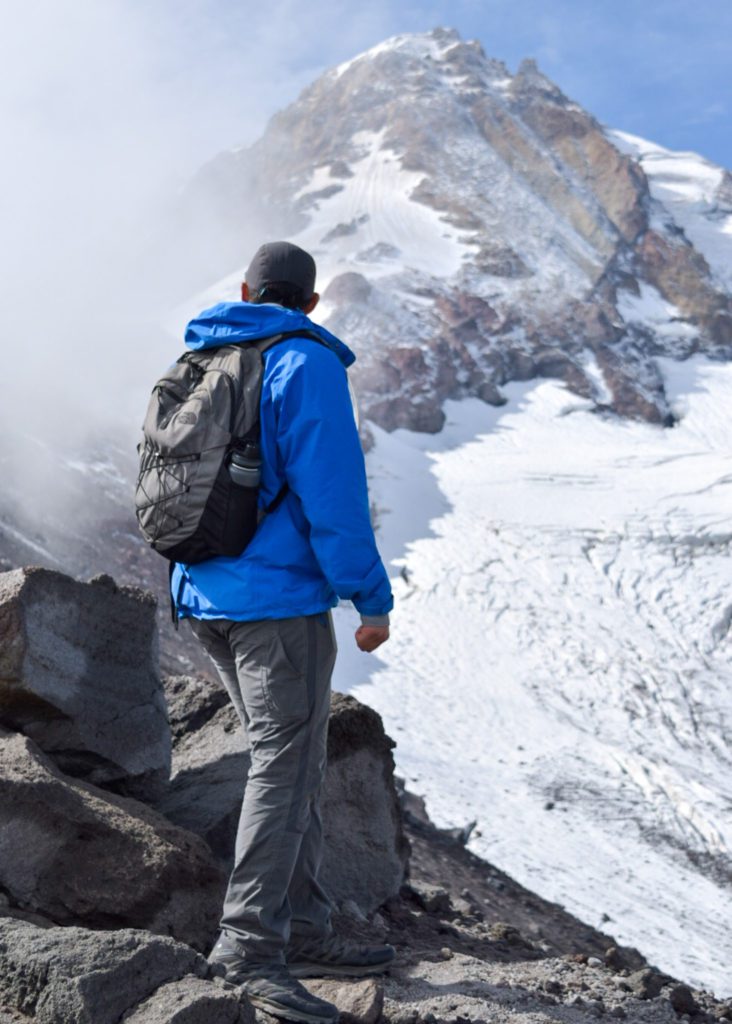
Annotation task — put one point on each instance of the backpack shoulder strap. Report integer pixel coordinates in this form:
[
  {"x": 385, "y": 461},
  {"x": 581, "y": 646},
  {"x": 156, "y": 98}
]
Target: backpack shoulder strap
[{"x": 263, "y": 344}]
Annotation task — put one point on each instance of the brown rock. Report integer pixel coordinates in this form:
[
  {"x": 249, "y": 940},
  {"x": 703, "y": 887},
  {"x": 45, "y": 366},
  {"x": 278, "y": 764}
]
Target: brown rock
[
  {"x": 681, "y": 274},
  {"x": 612, "y": 178},
  {"x": 360, "y": 1002}
]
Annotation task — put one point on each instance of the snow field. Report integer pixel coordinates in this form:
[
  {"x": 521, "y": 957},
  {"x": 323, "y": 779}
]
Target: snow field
[{"x": 560, "y": 662}]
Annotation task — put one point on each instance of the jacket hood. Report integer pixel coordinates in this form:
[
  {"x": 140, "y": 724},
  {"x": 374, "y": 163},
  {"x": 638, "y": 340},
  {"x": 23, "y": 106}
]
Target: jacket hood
[{"x": 230, "y": 322}]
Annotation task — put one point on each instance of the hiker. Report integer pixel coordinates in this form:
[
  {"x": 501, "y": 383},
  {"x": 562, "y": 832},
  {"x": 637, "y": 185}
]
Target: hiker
[{"x": 264, "y": 619}]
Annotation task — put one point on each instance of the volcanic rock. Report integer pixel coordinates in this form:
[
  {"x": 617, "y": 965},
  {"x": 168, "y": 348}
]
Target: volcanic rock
[
  {"x": 682, "y": 1000},
  {"x": 80, "y": 855},
  {"x": 192, "y": 1001},
  {"x": 72, "y": 975},
  {"x": 366, "y": 850},
  {"x": 210, "y": 767},
  {"x": 647, "y": 983},
  {"x": 192, "y": 701},
  {"x": 79, "y": 675}
]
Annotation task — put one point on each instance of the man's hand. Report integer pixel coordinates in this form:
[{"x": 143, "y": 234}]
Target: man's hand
[{"x": 369, "y": 638}]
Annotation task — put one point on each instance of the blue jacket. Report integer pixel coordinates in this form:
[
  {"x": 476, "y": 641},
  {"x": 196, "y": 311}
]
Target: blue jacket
[{"x": 318, "y": 545}]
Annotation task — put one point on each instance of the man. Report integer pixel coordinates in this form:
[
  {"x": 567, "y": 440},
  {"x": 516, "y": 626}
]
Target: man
[{"x": 264, "y": 618}]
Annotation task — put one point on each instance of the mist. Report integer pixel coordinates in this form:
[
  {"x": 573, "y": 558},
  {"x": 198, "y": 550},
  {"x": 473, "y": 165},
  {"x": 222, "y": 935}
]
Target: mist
[{"x": 107, "y": 109}]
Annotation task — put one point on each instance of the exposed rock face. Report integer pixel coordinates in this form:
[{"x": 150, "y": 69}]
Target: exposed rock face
[
  {"x": 68, "y": 974},
  {"x": 365, "y": 849},
  {"x": 681, "y": 275},
  {"x": 79, "y": 675},
  {"x": 80, "y": 855},
  {"x": 426, "y": 178}
]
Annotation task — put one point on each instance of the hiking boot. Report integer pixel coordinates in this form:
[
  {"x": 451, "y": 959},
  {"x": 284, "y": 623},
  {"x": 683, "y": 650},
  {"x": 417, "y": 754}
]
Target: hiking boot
[
  {"x": 271, "y": 987},
  {"x": 331, "y": 955}
]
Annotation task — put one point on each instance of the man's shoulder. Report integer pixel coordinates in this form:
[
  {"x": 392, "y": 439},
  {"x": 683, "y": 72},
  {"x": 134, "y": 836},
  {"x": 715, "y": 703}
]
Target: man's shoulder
[{"x": 301, "y": 350}]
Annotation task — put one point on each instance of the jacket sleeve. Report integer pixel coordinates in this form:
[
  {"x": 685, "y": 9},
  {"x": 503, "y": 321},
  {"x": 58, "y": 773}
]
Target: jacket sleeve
[{"x": 321, "y": 455}]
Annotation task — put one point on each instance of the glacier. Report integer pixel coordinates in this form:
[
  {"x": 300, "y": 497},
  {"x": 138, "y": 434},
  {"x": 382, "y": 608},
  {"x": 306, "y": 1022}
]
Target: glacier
[{"x": 560, "y": 661}]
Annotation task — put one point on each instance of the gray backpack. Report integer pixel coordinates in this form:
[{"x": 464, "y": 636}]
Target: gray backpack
[{"x": 203, "y": 411}]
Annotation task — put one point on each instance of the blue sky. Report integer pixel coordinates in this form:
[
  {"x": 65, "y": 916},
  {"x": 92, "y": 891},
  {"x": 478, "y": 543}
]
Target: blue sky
[{"x": 657, "y": 68}]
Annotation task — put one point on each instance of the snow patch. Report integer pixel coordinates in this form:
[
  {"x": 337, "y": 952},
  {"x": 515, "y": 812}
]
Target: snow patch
[
  {"x": 376, "y": 207},
  {"x": 650, "y": 309}
]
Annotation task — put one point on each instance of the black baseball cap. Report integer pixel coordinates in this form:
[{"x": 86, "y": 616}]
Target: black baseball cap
[{"x": 282, "y": 263}]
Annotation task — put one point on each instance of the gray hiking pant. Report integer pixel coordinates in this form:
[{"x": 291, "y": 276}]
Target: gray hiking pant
[{"x": 277, "y": 673}]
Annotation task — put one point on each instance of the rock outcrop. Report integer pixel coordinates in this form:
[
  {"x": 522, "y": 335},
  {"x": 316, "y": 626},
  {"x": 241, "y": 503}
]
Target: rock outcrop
[
  {"x": 79, "y": 855},
  {"x": 79, "y": 675},
  {"x": 366, "y": 851}
]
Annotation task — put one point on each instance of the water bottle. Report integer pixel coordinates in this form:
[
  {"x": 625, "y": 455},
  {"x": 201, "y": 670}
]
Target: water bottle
[{"x": 245, "y": 466}]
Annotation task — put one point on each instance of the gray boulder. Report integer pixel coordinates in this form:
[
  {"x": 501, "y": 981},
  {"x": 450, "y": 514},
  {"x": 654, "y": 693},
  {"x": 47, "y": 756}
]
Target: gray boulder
[
  {"x": 79, "y": 675},
  {"x": 72, "y": 975},
  {"x": 80, "y": 855},
  {"x": 366, "y": 851},
  {"x": 192, "y": 701},
  {"x": 210, "y": 765},
  {"x": 192, "y": 1001},
  {"x": 365, "y": 848}
]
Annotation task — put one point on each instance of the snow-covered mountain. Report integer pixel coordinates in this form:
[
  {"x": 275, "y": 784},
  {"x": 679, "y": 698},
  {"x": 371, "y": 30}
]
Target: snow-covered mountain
[
  {"x": 550, "y": 469},
  {"x": 474, "y": 227}
]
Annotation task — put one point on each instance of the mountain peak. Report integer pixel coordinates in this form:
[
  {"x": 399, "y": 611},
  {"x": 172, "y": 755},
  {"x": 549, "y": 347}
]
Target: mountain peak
[
  {"x": 413, "y": 44},
  {"x": 482, "y": 227},
  {"x": 442, "y": 50}
]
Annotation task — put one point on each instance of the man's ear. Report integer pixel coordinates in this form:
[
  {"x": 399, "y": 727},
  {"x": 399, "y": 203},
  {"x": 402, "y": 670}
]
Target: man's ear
[
  {"x": 244, "y": 292},
  {"x": 310, "y": 304}
]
